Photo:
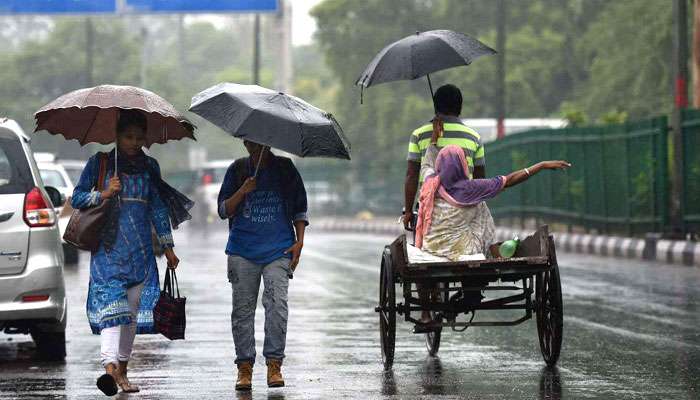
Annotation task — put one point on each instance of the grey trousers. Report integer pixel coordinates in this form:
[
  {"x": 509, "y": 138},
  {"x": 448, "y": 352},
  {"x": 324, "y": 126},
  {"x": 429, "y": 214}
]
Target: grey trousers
[{"x": 245, "y": 277}]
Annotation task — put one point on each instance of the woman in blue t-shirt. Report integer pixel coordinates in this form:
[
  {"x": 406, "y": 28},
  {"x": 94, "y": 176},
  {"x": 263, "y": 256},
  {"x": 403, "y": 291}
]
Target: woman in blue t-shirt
[{"x": 264, "y": 199}]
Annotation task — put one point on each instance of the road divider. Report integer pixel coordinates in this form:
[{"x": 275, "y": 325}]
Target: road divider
[{"x": 650, "y": 248}]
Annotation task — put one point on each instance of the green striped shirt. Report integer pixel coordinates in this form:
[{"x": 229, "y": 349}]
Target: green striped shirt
[{"x": 455, "y": 132}]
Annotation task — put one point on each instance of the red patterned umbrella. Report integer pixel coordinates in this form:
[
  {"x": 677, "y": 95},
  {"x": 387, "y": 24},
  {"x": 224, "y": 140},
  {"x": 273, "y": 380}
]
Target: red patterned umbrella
[{"x": 91, "y": 114}]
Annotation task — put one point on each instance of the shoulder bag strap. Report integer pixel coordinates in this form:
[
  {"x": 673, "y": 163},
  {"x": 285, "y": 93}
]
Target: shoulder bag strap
[{"x": 102, "y": 172}]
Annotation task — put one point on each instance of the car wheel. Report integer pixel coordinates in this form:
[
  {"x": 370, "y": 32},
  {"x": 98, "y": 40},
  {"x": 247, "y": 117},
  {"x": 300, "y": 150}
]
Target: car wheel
[
  {"x": 70, "y": 254},
  {"x": 50, "y": 345}
]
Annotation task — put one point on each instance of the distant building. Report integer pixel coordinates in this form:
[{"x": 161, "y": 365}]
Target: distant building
[{"x": 486, "y": 127}]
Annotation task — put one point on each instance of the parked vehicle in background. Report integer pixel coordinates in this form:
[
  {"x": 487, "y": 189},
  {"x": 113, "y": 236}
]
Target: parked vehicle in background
[
  {"x": 487, "y": 127},
  {"x": 321, "y": 197},
  {"x": 32, "y": 289},
  {"x": 211, "y": 178},
  {"x": 54, "y": 174},
  {"x": 74, "y": 168}
]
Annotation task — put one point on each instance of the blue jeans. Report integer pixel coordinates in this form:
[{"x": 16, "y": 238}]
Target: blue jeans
[{"x": 244, "y": 276}]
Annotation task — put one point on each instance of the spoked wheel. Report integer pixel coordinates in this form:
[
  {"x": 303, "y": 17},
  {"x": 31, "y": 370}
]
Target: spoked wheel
[
  {"x": 432, "y": 339},
  {"x": 387, "y": 310},
  {"x": 550, "y": 314}
]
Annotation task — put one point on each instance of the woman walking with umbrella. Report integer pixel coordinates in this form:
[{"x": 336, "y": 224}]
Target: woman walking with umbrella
[
  {"x": 124, "y": 284},
  {"x": 264, "y": 199}
]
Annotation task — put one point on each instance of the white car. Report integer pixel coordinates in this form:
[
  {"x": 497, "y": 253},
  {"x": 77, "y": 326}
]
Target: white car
[
  {"x": 212, "y": 176},
  {"x": 32, "y": 288},
  {"x": 55, "y": 175},
  {"x": 74, "y": 168}
]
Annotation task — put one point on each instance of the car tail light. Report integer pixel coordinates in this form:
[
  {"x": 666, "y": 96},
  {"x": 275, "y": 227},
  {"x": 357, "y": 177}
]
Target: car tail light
[
  {"x": 207, "y": 179},
  {"x": 35, "y": 297},
  {"x": 37, "y": 209}
]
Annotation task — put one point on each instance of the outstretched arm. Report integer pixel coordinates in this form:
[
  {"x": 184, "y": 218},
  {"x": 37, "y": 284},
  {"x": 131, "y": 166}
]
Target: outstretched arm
[{"x": 522, "y": 175}]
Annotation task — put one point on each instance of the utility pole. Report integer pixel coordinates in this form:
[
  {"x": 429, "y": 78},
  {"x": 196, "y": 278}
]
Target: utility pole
[
  {"x": 143, "y": 73},
  {"x": 283, "y": 27},
  {"x": 501, "y": 69},
  {"x": 256, "y": 50},
  {"x": 680, "y": 71},
  {"x": 182, "y": 62},
  {"x": 89, "y": 51},
  {"x": 696, "y": 54}
]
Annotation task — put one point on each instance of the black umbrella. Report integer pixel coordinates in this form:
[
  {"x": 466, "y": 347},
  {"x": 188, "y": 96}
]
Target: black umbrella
[
  {"x": 421, "y": 54},
  {"x": 272, "y": 119}
]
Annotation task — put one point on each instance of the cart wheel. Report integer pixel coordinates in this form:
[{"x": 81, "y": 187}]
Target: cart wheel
[
  {"x": 550, "y": 314},
  {"x": 432, "y": 339},
  {"x": 387, "y": 313}
]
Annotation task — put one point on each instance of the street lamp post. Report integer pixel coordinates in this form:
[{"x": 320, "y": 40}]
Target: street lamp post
[{"x": 680, "y": 71}]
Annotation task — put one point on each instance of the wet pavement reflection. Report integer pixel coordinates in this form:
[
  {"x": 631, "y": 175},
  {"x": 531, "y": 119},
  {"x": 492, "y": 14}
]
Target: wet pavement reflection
[{"x": 630, "y": 331}]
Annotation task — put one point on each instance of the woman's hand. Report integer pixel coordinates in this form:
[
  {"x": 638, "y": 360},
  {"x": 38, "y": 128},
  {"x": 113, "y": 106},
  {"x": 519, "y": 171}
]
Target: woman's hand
[
  {"x": 438, "y": 130},
  {"x": 249, "y": 185},
  {"x": 558, "y": 164},
  {"x": 296, "y": 254},
  {"x": 173, "y": 261},
  {"x": 115, "y": 186}
]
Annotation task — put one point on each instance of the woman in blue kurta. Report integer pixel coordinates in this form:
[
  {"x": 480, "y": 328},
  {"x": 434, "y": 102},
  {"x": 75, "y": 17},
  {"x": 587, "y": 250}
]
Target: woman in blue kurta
[{"x": 124, "y": 284}]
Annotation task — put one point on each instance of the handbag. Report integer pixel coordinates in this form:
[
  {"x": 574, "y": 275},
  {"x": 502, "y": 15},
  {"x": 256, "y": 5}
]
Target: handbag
[
  {"x": 169, "y": 312},
  {"x": 84, "y": 229}
]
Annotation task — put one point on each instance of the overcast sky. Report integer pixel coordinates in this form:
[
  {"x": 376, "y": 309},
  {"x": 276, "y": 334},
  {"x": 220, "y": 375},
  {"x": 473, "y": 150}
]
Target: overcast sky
[{"x": 303, "y": 25}]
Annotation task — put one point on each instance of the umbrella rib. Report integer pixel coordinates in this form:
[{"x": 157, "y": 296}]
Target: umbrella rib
[
  {"x": 82, "y": 141},
  {"x": 299, "y": 123}
]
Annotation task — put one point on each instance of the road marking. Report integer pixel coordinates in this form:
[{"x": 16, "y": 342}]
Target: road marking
[
  {"x": 654, "y": 339},
  {"x": 341, "y": 262}
]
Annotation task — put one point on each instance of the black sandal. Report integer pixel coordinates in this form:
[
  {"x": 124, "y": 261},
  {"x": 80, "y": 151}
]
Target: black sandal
[{"x": 107, "y": 384}]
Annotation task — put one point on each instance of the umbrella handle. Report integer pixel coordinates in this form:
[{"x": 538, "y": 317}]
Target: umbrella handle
[
  {"x": 432, "y": 95},
  {"x": 116, "y": 152},
  {"x": 257, "y": 167}
]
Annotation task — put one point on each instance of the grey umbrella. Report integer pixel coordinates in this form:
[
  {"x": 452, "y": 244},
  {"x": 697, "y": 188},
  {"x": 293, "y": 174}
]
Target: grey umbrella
[
  {"x": 421, "y": 54},
  {"x": 273, "y": 119}
]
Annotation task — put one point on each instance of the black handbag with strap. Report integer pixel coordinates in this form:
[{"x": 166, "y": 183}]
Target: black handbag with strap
[
  {"x": 84, "y": 229},
  {"x": 169, "y": 313}
]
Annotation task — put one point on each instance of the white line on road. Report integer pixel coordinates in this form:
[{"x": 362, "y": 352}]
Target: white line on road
[
  {"x": 341, "y": 262},
  {"x": 654, "y": 339}
]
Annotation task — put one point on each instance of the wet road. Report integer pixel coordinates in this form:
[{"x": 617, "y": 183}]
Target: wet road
[{"x": 631, "y": 330}]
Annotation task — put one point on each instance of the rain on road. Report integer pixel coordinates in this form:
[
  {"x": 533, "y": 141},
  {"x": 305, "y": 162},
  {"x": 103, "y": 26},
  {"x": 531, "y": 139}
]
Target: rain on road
[{"x": 630, "y": 331}]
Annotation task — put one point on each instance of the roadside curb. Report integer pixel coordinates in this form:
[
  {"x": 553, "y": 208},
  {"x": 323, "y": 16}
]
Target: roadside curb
[{"x": 650, "y": 248}]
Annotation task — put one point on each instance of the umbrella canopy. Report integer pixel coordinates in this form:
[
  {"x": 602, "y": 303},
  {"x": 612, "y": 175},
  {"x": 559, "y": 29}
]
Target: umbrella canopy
[
  {"x": 421, "y": 54},
  {"x": 91, "y": 114},
  {"x": 273, "y": 119}
]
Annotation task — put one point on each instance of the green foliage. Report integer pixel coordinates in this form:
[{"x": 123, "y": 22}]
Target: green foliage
[
  {"x": 573, "y": 116},
  {"x": 583, "y": 60},
  {"x": 52, "y": 62},
  {"x": 613, "y": 117},
  {"x": 576, "y": 58}
]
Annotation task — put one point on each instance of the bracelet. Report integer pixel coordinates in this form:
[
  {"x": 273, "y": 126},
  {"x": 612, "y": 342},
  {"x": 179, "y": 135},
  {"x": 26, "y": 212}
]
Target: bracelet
[{"x": 527, "y": 171}]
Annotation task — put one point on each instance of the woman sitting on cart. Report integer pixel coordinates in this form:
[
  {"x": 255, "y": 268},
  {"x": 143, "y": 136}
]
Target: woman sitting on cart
[{"x": 453, "y": 219}]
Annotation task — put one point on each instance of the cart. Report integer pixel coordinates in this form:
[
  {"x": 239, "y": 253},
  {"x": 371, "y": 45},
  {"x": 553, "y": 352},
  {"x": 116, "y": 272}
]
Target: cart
[{"x": 456, "y": 288}]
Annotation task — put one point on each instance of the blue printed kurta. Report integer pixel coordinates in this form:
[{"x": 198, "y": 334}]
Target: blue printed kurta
[{"x": 131, "y": 261}]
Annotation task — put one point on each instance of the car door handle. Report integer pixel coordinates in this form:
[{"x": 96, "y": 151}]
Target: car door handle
[{"x": 6, "y": 216}]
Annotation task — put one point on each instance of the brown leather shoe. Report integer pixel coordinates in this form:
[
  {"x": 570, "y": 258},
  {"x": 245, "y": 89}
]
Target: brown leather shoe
[
  {"x": 245, "y": 376},
  {"x": 274, "y": 373}
]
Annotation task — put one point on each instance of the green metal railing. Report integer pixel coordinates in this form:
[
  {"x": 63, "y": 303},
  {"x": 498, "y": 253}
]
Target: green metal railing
[
  {"x": 691, "y": 170},
  {"x": 618, "y": 182}
]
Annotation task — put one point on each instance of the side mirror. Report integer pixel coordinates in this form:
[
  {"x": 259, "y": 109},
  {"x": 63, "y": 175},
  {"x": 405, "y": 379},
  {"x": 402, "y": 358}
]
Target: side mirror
[{"x": 56, "y": 197}]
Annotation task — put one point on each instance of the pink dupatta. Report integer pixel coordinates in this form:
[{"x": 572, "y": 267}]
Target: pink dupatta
[{"x": 452, "y": 182}]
